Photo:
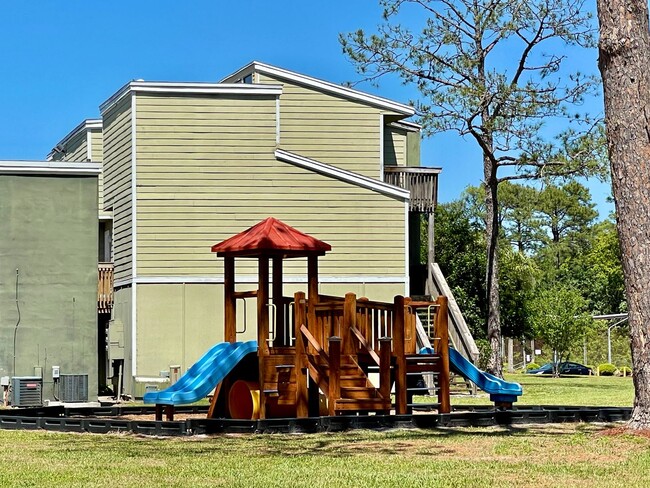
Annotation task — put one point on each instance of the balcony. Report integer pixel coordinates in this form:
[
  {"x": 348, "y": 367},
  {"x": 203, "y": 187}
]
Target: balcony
[
  {"x": 421, "y": 182},
  {"x": 105, "y": 288}
]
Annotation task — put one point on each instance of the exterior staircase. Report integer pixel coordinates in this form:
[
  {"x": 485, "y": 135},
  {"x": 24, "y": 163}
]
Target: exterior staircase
[{"x": 356, "y": 392}]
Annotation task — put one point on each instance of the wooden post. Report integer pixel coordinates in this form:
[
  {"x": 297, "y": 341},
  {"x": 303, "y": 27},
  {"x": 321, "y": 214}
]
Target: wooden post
[
  {"x": 300, "y": 360},
  {"x": 312, "y": 297},
  {"x": 349, "y": 320},
  {"x": 262, "y": 326},
  {"x": 410, "y": 335},
  {"x": 429, "y": 287},
  {"x": 280, "y": 323},
  {"x": 384, "y": 368},
  {"x": 442, "y": 332},
  {"x": 230, "y": 303},
  {"x": 400, "y": 360},
  {"x": 335, "y": 373}
]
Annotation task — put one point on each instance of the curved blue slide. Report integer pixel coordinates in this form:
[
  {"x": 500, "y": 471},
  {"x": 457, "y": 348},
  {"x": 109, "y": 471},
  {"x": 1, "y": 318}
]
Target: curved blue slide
[
  {"x": 500, "y": 391},
  {"x": 204, "y": 375}
]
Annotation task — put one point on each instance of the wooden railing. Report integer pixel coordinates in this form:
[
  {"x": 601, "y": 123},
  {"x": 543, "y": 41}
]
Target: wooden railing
[
  {"x": 421, "y": 182},
  {"x": 105, "y": 288},
  {"x": 385, "y": 333}
]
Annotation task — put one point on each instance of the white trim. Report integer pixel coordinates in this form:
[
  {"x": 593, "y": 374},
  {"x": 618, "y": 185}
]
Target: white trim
[
  {"x": 89, "y": 146},
  {"x": 105, "y": 216},
  {"x": 406, "y": 125},
  {"x": 277, "y": 120},
  {"x": 253, "y": 279},
  {"x": 134, "y": 232},
  {"x": 381, "y": 146},
  {"x": 85, "y": 125},
  {"x": 49, "y": 168},
  {"x": 343, "y": 175},
  {"x": 134, "y": 335},
  {"x": 349, "y": 93},
  {"x": 190, "y": 88},
  {"x": 407, "y": 243}
]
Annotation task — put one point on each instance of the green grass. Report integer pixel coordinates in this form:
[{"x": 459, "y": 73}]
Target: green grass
[
  {"x": 540, "y": 456},
  {"x": 533, "y": 455},
  {"x": 575, "y": 390}
]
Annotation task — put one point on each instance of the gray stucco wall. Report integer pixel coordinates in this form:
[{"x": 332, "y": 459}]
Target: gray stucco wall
[{"x": 48, "y": 232}]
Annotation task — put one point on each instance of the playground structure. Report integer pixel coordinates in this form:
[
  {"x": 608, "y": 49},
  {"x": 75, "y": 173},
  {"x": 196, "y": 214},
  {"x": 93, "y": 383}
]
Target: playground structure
[{"x": 317, "y": 357}]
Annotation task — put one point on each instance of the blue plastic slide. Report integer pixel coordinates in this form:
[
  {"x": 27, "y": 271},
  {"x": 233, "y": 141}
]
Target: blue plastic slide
[
  {"x": 204, "y": 375},
  {"x": 500, "y": 391}
]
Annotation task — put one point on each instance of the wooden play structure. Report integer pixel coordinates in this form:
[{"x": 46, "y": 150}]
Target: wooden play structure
[{"x": 313, "y": 347}]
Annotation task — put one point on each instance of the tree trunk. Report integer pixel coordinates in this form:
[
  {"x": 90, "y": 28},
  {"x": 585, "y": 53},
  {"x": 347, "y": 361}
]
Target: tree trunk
[
  {"x": 624, "y": 48},
  {"x": 495, "y": 364}
]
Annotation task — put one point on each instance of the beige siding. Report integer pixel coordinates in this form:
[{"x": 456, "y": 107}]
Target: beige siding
[
  {"x": 178, "y": 323},
  {"x": 328, "y": 128},
  {"x": 117, "y": 182},
  {"x": 394, "y": 146},
  {"x": 97, "y": 155},
  {"x": 122, "y": 313},
  {"x": 76, "y": 149},
  {"x": 202, "y": 182}
]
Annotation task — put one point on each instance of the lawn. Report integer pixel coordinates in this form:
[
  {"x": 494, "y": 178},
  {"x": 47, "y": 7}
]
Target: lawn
[
  {"x": 541, "y": 456},
  {"x": 529, "y": 455},
  {"x": 609, "y": 391}
]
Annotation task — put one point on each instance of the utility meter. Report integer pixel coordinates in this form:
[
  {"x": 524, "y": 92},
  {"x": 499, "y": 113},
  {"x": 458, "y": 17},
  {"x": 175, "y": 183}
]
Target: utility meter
[{"x": 56, "y": 371}]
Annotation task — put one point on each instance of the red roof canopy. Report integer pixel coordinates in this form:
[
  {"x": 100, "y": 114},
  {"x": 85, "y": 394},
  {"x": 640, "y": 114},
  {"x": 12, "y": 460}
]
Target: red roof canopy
[{"x": 271, "y": 237}]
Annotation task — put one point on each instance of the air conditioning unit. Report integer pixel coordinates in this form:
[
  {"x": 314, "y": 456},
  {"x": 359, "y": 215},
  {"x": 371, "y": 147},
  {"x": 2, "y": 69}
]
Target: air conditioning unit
[
  {"x": 73, "y": 388},
  {"x": 27, "y": 391}
]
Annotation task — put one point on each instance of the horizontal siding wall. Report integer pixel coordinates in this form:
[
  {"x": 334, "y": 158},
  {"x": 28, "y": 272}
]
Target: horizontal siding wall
[
  {"x": 328, "y": 128},
  {"x": 77, "y": 148},
  {"x": 206, "y": 171},
  {"x": 117, "y": 183},
  {"x": 177, "y": 323},
  {"x": 394, "y": 147},
  {"x": 97, "y": 155}
]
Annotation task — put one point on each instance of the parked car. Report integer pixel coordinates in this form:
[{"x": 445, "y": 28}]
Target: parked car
[{"x": 565, "y": 368}]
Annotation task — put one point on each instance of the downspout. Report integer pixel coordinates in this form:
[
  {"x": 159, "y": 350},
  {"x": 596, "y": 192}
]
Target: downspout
[{"x": 17, "y": 322}]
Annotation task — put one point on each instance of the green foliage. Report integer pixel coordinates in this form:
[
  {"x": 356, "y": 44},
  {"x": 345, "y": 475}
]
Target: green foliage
[
  {"x": 460, "y": 252},
  {"x": 565, "y": 214},
  {"x": 530, "y": 366},
  {"x": 600, "y": 272},
  {"x": 516, "y": 286},
  {"x": 624, "y": 371},
  {"x": 484, "y": 353},
  {"x": 606, "y": 369},
  {"x": 559, "y": 318}
]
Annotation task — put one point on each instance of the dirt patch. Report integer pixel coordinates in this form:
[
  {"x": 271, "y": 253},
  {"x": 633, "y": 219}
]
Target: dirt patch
[{"x": 618, "y": 431}]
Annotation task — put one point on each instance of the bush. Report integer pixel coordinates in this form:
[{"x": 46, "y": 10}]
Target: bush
[
  {"x": 606, "y": 369},
  {"x": 624, "y": 371},
  {"x": 484, "y": 353},
  {"x": 530, "y": 366}
]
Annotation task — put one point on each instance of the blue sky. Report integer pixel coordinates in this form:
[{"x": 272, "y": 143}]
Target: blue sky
[{"x": 62, "y": 59}]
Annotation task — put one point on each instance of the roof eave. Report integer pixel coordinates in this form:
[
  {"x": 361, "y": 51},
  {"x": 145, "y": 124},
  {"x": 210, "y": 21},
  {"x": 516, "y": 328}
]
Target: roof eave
[{"x": 327, "y": 86}]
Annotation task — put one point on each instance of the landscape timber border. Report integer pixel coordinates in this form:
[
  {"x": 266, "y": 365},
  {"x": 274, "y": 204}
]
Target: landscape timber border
[{"x": 115, "y": 419}]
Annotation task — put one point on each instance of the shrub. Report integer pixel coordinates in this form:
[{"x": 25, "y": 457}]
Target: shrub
[
  {"x": 532, "y": 366},
  {"x": 484, "y": 353},
  {"x": 606, "y": 369},
  {"x": 624, "y": 371}
]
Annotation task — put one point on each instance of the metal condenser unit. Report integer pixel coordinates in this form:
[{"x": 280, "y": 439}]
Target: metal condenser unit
[{"x": 27, "y": 391}]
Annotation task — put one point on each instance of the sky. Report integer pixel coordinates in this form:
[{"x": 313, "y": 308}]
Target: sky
[{"x": 63, "y": 59}]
